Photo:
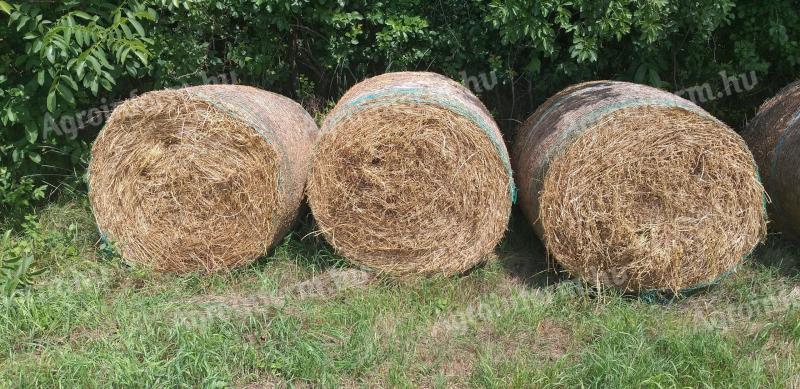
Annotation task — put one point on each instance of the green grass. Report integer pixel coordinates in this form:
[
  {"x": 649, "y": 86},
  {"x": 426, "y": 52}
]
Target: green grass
[{"x": 302, "y": 317}]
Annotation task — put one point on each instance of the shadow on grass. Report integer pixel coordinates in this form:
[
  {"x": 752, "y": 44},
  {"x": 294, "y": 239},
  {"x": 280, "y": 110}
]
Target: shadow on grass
[
  {"x": 524, "y": 257},
  {"x": 779, "y": 253},
  {"x": 521, "y": 255},
  {"x": 305, "y": 247}
]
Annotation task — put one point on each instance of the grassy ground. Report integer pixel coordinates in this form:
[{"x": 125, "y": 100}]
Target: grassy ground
[{"x": 303, "y": 318}]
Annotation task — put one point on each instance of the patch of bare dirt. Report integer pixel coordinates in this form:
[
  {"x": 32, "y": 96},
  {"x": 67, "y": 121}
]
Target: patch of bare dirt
[{"x": 553, "y": 340}]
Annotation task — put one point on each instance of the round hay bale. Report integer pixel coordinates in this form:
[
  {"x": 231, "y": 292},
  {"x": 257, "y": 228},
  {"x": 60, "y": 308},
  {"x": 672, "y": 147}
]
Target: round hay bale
[
  {"x": 774, "y": 137},
  {"x": 201, "y": 178},
  {"x": 637, "y": 188},
  {"x": 411, "y": 176}
]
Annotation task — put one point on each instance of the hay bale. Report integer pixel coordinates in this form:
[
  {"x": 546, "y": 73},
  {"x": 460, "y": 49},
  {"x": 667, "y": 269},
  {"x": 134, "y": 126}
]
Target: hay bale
[
  {"x": 774, "y": 137},
  {"x": 634, "y": 187},
  {"x": 411, "y": 176},
  {"x": 201, "y": 178}
]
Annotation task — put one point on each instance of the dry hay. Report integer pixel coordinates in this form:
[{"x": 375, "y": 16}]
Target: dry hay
[
  {"x": 774, "y": 137},
  {"x": 634, "y": 187},
  {"x": 411, "y": 176},
  {"x": 201, "y": 178}
]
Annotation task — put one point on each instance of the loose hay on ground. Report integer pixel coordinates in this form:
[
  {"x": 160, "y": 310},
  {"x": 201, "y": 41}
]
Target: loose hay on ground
[
  {"x": 635, "y": 187},
  {"x": 201, "y": 178},
  {"x": 411, "y": 176}
]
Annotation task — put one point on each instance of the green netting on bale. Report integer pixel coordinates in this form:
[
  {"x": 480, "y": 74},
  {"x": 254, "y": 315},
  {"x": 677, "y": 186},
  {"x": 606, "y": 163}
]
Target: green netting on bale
[
  {"x": 565, "y": 118},
  {"x": 394, "y": 95},
  {"x": 774, "y": 138},
  {"x": 200, "y": 178}
]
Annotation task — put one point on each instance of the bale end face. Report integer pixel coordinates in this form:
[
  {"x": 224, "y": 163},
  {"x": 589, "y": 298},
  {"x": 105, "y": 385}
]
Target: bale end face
[
  {"x": 409, "y": 187},
  {"x": 652, "y": 198},
  {"x": 179, "y": 185}
]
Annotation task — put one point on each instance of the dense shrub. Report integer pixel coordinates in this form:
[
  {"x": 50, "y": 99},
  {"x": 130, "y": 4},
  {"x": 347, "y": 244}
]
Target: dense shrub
[
  {"x": 56, "y": 60},
  {"x": 69, "y": 61}
]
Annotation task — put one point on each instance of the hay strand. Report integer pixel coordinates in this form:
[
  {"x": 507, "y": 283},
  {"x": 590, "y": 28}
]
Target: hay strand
[
  {"x": 411, "y": 176},
  {"x": 202, "y": 178},
  {"x": 634, "y": 187}
]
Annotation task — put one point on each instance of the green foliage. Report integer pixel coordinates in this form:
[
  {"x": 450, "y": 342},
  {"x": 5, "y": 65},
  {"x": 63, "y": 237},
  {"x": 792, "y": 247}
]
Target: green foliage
[
  {"x": 62, "y": 233},
  {"x": 17, "y": 195},
  {"x": 16, "y": 259},
  {"x": 57, "y": 60}
]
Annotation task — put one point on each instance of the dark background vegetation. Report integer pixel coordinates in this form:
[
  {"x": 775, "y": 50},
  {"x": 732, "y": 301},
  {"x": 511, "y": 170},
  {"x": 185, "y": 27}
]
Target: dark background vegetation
[{"x": 64, "y": 57}]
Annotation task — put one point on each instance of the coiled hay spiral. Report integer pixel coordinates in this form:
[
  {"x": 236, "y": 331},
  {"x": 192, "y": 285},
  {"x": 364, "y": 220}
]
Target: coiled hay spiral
[
  {"x": 634, "y": 187},
  {"x": 411, "y": 176},
  {"x": 201, "y": 178}
]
